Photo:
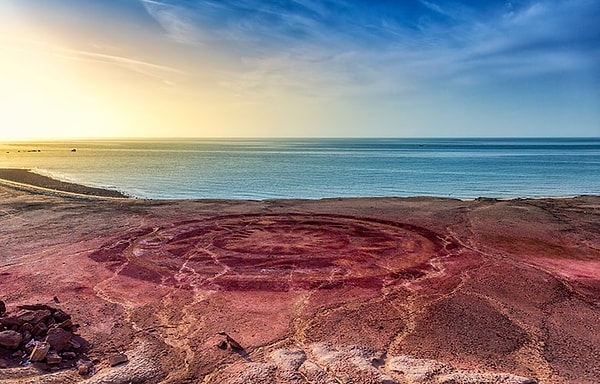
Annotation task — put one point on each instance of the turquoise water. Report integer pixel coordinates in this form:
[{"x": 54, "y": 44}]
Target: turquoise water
[{"x": 317, "y": 168}]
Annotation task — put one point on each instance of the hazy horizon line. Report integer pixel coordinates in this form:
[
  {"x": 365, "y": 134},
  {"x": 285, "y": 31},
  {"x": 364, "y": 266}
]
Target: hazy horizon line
[{"x": 209, "y": 138}]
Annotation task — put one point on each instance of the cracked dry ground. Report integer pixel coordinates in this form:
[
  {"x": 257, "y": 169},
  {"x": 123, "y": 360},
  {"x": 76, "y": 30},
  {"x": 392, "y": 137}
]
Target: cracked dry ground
[{"x": 388, "y": 290}]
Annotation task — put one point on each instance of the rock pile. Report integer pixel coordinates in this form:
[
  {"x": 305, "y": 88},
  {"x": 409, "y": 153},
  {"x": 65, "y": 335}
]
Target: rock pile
[{"x": 42, "y": 335}]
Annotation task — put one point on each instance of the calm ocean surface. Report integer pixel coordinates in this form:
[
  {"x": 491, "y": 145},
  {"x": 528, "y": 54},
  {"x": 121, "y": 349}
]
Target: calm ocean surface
[{"x": 316, "y": 168}]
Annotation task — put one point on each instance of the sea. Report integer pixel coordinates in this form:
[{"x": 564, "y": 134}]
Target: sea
[{"x": 259, "y": 169}]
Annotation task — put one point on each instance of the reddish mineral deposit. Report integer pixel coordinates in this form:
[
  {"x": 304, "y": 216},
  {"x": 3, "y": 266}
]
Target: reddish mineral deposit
[{"x": 382, "y": 290}]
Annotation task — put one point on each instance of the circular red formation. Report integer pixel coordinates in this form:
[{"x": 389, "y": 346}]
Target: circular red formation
[
  {"x": 276, "y": 252},
  {"x": 264, "y": 237}
]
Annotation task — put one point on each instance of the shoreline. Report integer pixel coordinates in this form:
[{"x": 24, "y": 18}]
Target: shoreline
[{"x": 24, "y": 179}]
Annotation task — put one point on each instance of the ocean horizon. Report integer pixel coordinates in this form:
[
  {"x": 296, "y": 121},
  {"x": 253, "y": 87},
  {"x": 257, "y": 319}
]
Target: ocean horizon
[{"x": 260, "y": 168}]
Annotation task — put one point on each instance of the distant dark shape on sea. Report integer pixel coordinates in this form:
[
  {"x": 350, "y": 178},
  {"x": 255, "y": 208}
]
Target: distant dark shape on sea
[{"x": 318, "y": 168}]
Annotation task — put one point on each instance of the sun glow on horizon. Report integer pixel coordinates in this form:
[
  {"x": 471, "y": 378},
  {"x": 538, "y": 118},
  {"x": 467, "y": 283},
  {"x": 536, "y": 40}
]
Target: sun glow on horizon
[{"x": 40, "y": 95}]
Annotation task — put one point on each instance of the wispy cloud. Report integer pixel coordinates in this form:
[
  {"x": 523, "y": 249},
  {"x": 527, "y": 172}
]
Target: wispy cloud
[
  {"x": 366, "y": 45},
  {"x": 162, "y": 73},
  {"x": 175, "y": 20},
  {"x": 436, "y": 8}
]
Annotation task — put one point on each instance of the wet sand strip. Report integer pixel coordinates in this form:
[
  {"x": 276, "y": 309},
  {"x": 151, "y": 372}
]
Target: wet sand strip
[{"x": 24, "y": 178}]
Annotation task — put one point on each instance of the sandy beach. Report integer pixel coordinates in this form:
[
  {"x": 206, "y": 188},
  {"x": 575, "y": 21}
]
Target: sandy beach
[
  {"x": 33, "y": 182},
  {"x": 365, "y": 290}
]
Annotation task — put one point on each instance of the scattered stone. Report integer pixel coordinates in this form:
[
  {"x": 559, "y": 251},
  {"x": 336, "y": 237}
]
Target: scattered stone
[
  {"x": 74, "y": 344},
  {"x": 58, "y": 338},
  {"x": 231, "y": 342},
  {"x": 119, "y": 358},
  {"x": 41, "y": 315},
  {"x": 69, "y": 355},
  {"x": 27, "y": 327},
  {"x": 56, "y": 299},
  {"x": 53, "y": 358},
  {"x": 36, "y": 307},
  {"x": 84, "y": 367},
  {"x": 222, "y": 345},
  {"x": 34, "y": 317},
  {"x": 10, "y": 339},
  {"x": 50, "y": 321},
  {"x": 26, "y": 317},
  {"x": 66, "y": 325},
  {"x": 17, "y": 354},
  {"x": 2, "y": 308},
  {"x": 39, "y": 352},
  {"x": 27, "y": 336},
  {"x": 39, "y": 329},
  {"x": 11, "y": 322},
  {"x": 60, "y": 316}
]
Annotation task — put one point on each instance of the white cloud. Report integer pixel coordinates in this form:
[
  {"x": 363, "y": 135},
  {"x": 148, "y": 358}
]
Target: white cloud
[
  {"x": 162, "y": 73},
  {"x": 436, "y": 8},
  {"x": 311, "y": 46},
  {"x": 174, "y": 20}
]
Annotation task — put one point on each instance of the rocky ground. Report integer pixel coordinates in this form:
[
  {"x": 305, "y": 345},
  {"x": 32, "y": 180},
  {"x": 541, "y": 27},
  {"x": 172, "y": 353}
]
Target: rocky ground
[
  {"x": 42, "y": 335},
  {"x": 388, "y": 290}
]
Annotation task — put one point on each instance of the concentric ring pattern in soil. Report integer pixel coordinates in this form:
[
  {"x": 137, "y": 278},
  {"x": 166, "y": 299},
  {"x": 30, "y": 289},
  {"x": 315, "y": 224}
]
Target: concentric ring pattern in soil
[{"x": 275, "y": 252}]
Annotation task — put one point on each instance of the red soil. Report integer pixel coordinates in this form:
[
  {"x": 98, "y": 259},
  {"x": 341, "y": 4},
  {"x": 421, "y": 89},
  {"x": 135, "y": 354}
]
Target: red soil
[
  {"x": 341, "y": 290},
  {"x": 275, "y": 253}
]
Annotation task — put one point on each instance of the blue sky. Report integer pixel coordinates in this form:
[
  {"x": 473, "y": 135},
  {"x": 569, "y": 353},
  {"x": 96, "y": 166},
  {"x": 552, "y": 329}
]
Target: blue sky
[{"x": 320, "y": 67}]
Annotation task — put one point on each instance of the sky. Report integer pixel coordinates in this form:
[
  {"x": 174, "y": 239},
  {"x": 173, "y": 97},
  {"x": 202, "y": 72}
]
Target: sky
[{"x": 299, "y": 68}]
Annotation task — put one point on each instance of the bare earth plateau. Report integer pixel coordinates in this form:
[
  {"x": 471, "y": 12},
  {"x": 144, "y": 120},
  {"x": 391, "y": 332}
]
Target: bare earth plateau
[{"x": 364, "y": 290}]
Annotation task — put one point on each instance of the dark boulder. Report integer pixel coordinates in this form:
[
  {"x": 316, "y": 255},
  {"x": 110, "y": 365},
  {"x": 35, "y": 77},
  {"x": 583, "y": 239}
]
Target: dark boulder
[
  {"x": 119, "y": 358},
  {"x": 58, "y": 338},
  {"x": 10, "y": 339}
]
